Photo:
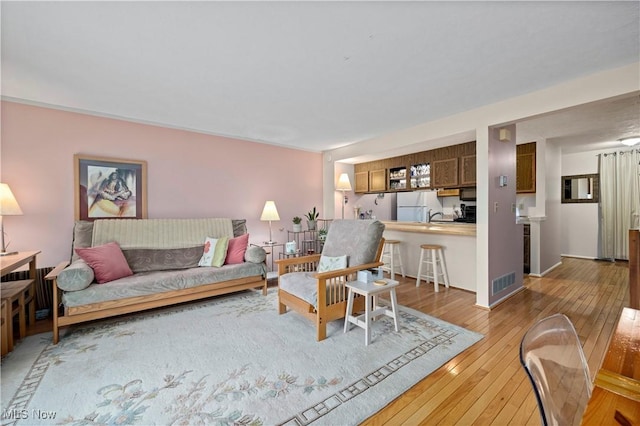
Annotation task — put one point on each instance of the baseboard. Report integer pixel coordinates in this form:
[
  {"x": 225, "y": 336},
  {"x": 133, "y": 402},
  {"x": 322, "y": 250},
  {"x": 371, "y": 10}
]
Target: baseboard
[
  {"x": 547, "y": 271},
  {"x": 578, "y": 257}
]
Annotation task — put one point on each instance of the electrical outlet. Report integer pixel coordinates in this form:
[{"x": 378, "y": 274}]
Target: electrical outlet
[
  {"x": 513, "y": 207},
  {"x": 495, "y": 207}
]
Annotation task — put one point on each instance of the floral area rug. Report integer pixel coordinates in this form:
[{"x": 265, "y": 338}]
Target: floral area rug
[{"x": 229, "y": 360}]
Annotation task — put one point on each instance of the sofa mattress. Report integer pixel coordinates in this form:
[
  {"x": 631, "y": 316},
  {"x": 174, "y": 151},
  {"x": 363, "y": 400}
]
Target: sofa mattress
[
  {"x": 145, "y": 283},
  {"x": 159, "y": 233}
]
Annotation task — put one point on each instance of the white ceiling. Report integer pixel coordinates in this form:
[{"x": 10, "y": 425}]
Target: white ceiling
[{"x": 317, "y": 75}]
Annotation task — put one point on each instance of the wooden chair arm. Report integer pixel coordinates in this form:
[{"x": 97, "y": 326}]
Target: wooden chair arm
[
  {"x": 340, "y": 272},
  {"x": 298, "y": 260},
  {"x": 53, "y": 274}
]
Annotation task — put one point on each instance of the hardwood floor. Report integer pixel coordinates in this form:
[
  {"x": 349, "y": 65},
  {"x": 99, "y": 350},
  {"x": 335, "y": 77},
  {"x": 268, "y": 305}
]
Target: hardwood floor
[{"x": 486, "y": 385}]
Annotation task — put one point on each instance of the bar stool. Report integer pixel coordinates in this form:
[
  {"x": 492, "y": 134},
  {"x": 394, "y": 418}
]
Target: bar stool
[
  {"x": 390, "y": 250},
  {"x": 435, "y": 265}
]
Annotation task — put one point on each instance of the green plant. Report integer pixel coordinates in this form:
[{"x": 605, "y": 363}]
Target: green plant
[
  {"x": 297, "y": 220},
  {"x": 313, "y": 214},
  {"x": 322, "y": 233}
]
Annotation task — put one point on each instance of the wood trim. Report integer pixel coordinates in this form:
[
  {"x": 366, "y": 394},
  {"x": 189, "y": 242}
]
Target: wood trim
[
  {"x": 619, "y": 384},
  {"x": 101, "y": 310},
  {"x": 634, "y": 268}
]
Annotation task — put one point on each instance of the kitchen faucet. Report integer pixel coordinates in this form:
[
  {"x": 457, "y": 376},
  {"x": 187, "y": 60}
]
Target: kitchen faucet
[{"x": 431, "y": 216}]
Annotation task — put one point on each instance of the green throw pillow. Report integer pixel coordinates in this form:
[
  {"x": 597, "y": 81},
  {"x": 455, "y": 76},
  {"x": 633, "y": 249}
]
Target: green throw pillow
[{"x": 215, "y": 251}]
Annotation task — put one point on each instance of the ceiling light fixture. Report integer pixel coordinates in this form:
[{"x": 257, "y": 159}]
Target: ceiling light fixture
[{"x": 630, "y": 141}]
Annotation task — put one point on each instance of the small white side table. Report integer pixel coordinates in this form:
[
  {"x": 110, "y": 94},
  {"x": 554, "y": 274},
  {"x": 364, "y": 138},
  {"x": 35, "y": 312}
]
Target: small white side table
[{"x": 370, "y": 291}]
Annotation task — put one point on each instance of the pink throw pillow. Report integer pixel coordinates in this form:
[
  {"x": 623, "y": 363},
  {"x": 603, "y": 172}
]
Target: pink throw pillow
[
  {"x": 237, "y": 248},
  {"x": 107, "y": 261}
]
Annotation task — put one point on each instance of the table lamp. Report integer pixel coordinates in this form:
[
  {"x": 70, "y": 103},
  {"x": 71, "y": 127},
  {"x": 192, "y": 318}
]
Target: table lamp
[
  {"x": 269, "y": 212},
  {"x": 8, "y": 207},
  {"x": 343, "y": 185}
]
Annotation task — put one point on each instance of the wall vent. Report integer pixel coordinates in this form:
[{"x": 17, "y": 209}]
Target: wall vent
[{"x": 500, "y": 283}]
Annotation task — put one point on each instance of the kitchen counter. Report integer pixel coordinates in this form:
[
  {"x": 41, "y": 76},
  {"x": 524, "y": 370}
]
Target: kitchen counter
[
  {"x": 445, "y": 228},
  {"x": 457, "y": 239}
]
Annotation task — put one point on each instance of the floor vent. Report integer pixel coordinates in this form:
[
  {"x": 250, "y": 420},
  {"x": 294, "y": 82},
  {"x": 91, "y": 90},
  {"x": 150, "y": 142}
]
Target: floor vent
[{"x": 503, "y": 282}]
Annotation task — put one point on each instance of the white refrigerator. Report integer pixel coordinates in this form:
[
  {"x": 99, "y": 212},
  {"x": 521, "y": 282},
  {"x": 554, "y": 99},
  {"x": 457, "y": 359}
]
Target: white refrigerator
[{"x": 414, "y": 206}]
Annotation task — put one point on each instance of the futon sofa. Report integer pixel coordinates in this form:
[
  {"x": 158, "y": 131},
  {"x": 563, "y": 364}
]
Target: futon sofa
[{"x": 165, "y": 258}]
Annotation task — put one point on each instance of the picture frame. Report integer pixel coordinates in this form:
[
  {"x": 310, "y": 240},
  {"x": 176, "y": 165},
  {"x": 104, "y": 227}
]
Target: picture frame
[{"x": 109, "y": 188}]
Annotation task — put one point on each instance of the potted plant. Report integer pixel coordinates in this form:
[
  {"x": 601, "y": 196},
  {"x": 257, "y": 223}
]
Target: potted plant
[
  {"x": 297, "y": 224},
  {"x": 322, "y": 234},
  {"x": 312, "y": 216}
]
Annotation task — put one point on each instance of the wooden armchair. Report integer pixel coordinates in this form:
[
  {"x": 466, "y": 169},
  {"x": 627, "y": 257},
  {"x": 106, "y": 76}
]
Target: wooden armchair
[{"x": 321, "y": 296}]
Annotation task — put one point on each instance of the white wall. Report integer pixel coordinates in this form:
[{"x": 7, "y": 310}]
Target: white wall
[
  {"x": 579, "y": 221},
  {"x": 382, "y": 208},
  {"x": 550, "y": 235}
]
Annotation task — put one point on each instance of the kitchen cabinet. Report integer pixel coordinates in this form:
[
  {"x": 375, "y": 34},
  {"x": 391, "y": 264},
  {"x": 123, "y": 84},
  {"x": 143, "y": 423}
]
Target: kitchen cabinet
[
  {"x": 468, "y": 170},
  {"x": 421, "y": 176},
  {"x": 445, "y": 173},
  {"x": 362, "y": 182},
  {"x": 526, "y": 168},
  {"x": 447, "y": 167},
  {"x": 398, "y": 178},
  {"x": 378, "y": 180}
]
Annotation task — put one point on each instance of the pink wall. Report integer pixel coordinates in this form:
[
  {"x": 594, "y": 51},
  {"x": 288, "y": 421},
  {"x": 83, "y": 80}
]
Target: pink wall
[{"x": 189, "y": 175}]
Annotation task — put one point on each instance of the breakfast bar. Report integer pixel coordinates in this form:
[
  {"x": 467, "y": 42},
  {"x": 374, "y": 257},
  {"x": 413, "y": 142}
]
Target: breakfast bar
[{"x": 457, "y": 239}]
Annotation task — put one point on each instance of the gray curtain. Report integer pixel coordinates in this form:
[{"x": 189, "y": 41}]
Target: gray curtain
[{"x": 619, "y": 201}]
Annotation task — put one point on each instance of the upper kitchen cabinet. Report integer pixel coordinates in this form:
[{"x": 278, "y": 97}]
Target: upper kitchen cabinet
[
  {"x": 362, "y": 182},
  {"x": 398, "y": 178},
  {"x": 468, "y": 170},
  {"x": 452, "y": 166},
  {"x": 444, "y": 173},
  {"x": 420, "y": 176},
  {"x": 526, "y": 168},
  {"x": 378, "y": 180}
]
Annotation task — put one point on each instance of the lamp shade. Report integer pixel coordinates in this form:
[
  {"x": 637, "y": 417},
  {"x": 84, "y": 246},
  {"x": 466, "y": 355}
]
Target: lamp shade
[
  {"x": 343, "y": 183},
  {"x": 8, "y": 204},
  {"x": 270, "y": 212}
]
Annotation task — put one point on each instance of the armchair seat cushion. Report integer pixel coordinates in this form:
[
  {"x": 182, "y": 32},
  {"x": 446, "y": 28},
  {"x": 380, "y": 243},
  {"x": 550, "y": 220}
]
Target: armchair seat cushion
[{"x": 304, "y": 286}]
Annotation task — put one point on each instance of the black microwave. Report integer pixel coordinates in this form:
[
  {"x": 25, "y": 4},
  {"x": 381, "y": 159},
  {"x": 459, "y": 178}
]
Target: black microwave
[{"x": 467, "y": 194}]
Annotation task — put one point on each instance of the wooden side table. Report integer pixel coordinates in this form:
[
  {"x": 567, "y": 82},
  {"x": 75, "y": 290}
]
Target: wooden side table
[
  {"x": 370, "y": 291},
  {"x": 12, "y": 262},
  {"x": 6, "y": 332},
  {"x": 20, "y": 297}
]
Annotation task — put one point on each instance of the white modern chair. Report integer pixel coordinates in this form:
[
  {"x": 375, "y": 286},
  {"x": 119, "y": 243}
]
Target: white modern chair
[{"x": 552, "y": 356}]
